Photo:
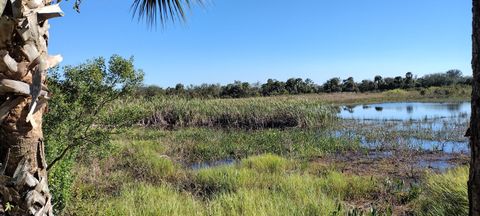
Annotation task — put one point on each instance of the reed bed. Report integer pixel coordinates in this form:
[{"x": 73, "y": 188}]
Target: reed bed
[{"x": 250, "y": 113}]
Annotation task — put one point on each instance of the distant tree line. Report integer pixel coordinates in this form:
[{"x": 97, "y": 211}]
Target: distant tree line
[{"x": 295, "y": 86}]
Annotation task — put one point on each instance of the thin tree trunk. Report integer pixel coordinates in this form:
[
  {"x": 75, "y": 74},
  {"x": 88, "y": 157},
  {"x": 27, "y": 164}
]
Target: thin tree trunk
[
  {"x": 23, "y": 63},
  {"x": 474, "y": 179}
]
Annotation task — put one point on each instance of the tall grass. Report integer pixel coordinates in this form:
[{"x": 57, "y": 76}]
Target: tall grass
[
  {"x": 445, "y": 194},
  {"x": 193, "y": 145},
  {"x": 250, "y": 113}
]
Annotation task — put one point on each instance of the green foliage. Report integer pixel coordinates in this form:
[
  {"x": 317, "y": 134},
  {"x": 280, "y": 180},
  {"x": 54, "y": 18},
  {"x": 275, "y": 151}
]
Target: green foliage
[
  {"x": 295, "y": 86},
  {"x": 332, "y": 85},
  {"x": 79, "y": 122},
  {"x": 445, "y": 194}
]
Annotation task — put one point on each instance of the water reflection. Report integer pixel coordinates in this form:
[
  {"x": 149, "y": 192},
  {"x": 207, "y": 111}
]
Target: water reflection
[
  {"x": 409, "y": 109},
  {"x": 406, "y": 111}
]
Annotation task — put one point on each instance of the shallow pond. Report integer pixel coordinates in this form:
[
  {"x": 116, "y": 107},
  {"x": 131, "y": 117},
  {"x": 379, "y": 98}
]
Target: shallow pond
[
  {"x": 436, "y": 127},
  {"x": 406, "y": 111}
]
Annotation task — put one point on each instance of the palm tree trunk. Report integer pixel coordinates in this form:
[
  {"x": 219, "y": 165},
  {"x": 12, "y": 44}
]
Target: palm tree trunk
[
  {"x": 474, "y": 179},
  {"x": 23, "y": 63}
]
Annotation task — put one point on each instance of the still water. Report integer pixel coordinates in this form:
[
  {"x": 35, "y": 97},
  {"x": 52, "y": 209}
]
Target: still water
[
  {"x": 414, "y": 125},
  {"x": 406, "y": 111}
]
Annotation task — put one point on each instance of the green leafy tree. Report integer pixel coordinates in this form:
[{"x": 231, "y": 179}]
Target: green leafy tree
[
  {"x": 409, "y": 80},
  {"x": 273, "y": 87},
  {"x": 80, "y": 120},
  {"x": 332, "y": 85},
  {"x": 349, "y": 85},
  {"x": 379, "y": 83},
  {"x": 366, "y": 85}
]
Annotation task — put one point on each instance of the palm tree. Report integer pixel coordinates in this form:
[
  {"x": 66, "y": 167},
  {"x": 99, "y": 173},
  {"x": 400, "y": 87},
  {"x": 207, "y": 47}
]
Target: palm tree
[
  {"x": 474, "y": 131},
  {"x": 24, "y": 61}
]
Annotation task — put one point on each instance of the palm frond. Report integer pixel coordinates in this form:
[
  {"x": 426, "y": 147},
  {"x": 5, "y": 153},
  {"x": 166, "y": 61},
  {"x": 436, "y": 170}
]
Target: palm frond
[{"x": 153, "y": 11}]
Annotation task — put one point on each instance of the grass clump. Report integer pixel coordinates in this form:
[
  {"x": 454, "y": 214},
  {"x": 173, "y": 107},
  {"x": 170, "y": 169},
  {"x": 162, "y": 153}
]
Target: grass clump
[
  {"x": 349, "y": 187},
  {"x": 445, "y": 194},
  {"x": 218, "y": 180}
]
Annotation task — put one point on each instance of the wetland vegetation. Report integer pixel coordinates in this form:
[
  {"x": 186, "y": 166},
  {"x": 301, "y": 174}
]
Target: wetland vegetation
[{"x": 397, "y": 152}]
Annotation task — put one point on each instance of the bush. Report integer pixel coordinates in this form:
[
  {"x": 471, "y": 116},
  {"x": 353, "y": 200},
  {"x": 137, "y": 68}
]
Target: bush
[{"x": 79, "y": 122}]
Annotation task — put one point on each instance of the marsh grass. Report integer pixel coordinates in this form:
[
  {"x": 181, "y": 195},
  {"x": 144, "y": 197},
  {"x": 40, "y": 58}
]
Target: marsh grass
[
  {"x": 422, "y": 135},
  {"x": 445, "y": 194},
  {"x": 261, "y": 185},
  {"x": 146, "y": 182},
  {"x": 250, "y": 113},
  {"x": 193, "y": 145},
  {"x": 273, "y": 142}
]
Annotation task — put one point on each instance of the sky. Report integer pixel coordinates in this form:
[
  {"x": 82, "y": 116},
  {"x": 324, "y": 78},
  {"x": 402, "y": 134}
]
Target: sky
[{"x": 254, "y": 40}]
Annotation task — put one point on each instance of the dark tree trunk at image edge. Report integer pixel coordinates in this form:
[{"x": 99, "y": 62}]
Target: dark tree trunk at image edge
[
  {"x": 24, "y": 61},
  {"x": 474, "y": 179}
]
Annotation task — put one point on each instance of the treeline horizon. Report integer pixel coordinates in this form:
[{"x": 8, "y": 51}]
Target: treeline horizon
[{"x": 296, "y": 86}]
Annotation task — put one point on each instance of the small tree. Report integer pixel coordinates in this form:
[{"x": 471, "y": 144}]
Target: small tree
[{"x": 81, "y": 118}]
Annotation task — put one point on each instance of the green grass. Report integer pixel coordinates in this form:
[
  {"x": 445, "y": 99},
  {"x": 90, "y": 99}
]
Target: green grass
[
  {"x": 202, "y": 144},
  {"x": 146, "y": 182},
  {"x": 140, "y": 199},
  {"x": 266, "y": 163},
  {"x": 445, "y": 194},
  {"x": 264, "y": 202},
  {"x": 260, "y": 185}
]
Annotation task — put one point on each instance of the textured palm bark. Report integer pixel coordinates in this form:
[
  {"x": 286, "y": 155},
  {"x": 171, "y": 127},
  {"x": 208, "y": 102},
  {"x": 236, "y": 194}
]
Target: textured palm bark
[
  {"x": 474, "y": 179},
  {"x": 24, "y": 61}
]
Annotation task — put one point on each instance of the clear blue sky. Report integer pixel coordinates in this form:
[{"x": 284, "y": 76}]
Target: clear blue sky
[{"x": 253, "y": 40}]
